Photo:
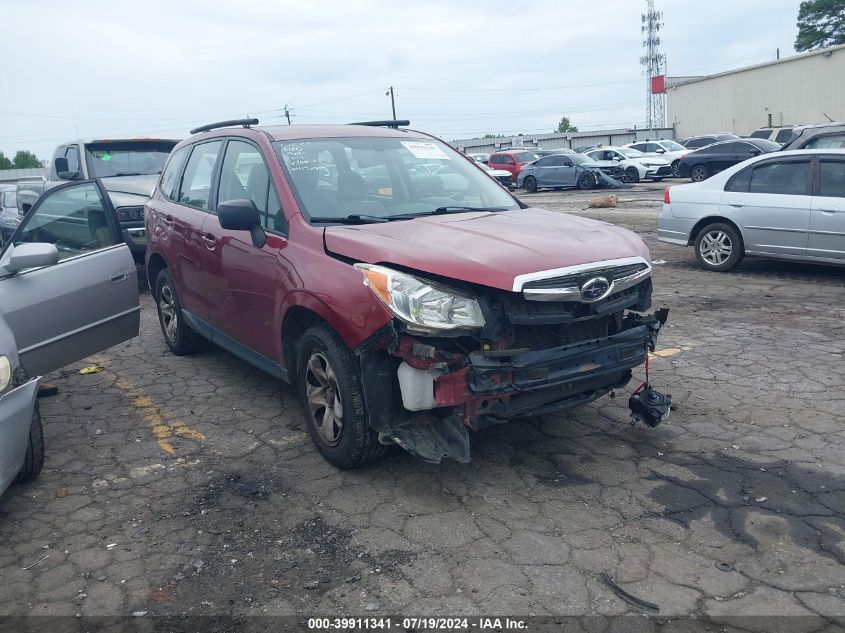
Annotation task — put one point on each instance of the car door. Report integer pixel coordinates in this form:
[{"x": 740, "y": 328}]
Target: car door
[
  {"x": 771, "y": 201},
  {"x": 246, "y": 282},
  {"x": 566, "y": 171},
  {"x": 741, "y": 151},
  {"x": 84, "y": 302},
  {"x": 545, "y": 172},
  {"x": 827, "y": 212}
]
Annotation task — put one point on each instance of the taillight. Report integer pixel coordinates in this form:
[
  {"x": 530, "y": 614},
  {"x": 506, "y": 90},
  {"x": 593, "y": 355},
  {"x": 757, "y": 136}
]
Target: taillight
[{"x": 666, "y": 195}]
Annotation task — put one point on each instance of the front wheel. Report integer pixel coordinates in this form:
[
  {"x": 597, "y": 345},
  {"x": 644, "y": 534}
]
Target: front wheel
[
  {"x": 718, "y": 247},
  {"x": 699, "y": 173},
  {"x": 34, "y": 460},
  {"x": 530, "y": 184},
  {"x": 586, "y": 181},
  {"x": 631, "y": 175},
  {"x": 333, "y": 401}
]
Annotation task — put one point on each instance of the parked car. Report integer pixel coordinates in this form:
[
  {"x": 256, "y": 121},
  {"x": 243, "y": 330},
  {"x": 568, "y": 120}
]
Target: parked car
[
  {"x": 784, "y": 205},
  {"x": 481, "y": 158},
  {"x": 665, "y": 148},
  {"x": 9, "y": 216},
  {"x": 401, "y": 316},
  {"x": 560, "y": 171},
  {"x": 502, "y": 176},
  {"x": 694, "y": 142},
  {"x": 128, "y": 167},
  {"x": 780, "y": 135},
  {"x": 823, "y": 136},
  {"x": 66, "y": 292},
  {"x": 636, "y": 165},
  {"x": 512, "y": 160},
  {"x": 703, "y": 163}
]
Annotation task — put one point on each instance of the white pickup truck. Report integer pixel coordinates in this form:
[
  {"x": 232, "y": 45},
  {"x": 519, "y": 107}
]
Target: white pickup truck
[{"x": 129, "y": 169}]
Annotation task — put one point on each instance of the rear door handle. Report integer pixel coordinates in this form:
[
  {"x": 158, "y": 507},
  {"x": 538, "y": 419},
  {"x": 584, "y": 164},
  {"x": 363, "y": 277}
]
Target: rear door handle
[
  {"x": 738, "y": 205},
  {"x": 167, "y": 219},
  {"x": 829, "y": 209}
]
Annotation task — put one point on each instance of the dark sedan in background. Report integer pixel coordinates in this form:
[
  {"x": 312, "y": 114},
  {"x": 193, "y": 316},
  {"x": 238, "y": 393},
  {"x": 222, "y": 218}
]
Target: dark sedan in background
[
  {"x": 695, "y": 142},
  {"x": 703, "y": 163},
  {"x": 559, "y": 171}
]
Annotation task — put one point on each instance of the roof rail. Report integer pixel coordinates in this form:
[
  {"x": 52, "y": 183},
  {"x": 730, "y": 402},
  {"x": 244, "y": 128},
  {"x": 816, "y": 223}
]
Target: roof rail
[
  {"x": 214, "y": 126},
  {"x": 388, "y": 123}
]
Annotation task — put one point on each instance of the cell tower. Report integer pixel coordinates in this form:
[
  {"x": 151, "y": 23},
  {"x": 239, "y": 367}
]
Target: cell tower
[{"x": 654, "y": 63}]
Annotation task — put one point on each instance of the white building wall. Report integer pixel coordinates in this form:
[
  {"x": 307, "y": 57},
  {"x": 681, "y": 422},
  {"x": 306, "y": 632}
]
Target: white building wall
[{"x": 796, "y": 90}]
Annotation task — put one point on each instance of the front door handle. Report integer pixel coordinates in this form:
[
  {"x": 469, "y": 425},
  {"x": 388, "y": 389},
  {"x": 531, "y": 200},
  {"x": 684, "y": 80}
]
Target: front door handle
[
  {"x": 209, "y": 240},
  {"x": 737, "y": 204},
  {"x": 119, "y": 276},
  {"x": 829, "y": 209}
]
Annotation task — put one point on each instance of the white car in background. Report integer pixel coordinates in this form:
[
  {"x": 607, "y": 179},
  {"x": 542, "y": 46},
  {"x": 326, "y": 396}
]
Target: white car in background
[
  {"x": 666, "y": 149},
  {"x": 481, "y": 158},
  {"x": 637, "y": 165}
]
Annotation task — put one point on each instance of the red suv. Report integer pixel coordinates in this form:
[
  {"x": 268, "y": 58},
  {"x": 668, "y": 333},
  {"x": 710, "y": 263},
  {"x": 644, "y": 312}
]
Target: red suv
[
  {"x": 512, "y": 160},
  {"x": 404, "y": 305}
]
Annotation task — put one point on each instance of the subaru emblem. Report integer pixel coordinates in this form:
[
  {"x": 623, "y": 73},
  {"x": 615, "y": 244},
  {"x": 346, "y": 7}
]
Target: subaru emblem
[{"x": 595, "y": 289}]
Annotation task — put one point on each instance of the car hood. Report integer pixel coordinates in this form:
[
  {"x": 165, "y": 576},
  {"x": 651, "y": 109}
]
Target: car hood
[
  {"x": 490, "y": 249},
  {"x": 128, "y": 190}
]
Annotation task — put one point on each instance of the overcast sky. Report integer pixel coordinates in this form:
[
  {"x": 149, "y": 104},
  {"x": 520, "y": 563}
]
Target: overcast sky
[{"x": 460, "y": 69}]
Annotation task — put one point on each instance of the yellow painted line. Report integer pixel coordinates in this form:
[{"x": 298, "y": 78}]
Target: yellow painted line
[
  {"x": 163, "y": 425},
  {"x": 669, "y": 351}
]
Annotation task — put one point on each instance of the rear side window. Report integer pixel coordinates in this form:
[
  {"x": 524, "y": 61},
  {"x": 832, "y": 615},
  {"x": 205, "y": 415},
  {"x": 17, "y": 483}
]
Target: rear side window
[
  {"x": 740, "y": 182},
  {"x": 498, "y": 160},
  {"x": 781, "y": 177},
  {"x": 195, "y": 190},
  {"x": 832, "y": 178},
  {"x": 783, "y": 135},
  {"x": 723, "y": 148},
  {"x": 639, "y": 146},
  {"x": 170, "y": 175},
  {"x": 831, "y": 141}
]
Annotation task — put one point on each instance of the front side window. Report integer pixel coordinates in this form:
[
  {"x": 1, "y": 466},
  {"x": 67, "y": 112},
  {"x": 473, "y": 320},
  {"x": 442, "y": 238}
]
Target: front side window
[
  {"x": 781, "y": 177},
  {"x": 170, "y": 176},
  {"x": 831, "y": 141},
  {"x": 76, "y": 219},
  {"x": 384, "y": 177},
  {"x": 832, "y": 178},
  {"x": 196, "y": 181},
  {"x": 244, "y": 176},
  {"x": 133, "y": 158}
]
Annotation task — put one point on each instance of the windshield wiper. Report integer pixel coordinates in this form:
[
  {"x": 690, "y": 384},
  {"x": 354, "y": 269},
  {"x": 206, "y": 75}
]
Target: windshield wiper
[
  {"x": 446, "y": 211},
  {"x": 355, "y": 218}
]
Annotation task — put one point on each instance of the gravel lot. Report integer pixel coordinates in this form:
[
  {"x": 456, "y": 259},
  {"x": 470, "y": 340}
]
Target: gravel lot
[{"x": 188, "y": 485}]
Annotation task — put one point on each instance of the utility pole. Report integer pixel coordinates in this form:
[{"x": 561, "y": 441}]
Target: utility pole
[
  {"x": 287, "y": 113},
  {"x": 653, "y": 61},
  {"x": 392, "y": 101}
]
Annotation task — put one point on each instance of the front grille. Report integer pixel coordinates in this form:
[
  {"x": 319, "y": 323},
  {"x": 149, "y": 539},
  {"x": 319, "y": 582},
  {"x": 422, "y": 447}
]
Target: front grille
[
  {"x": 539, "y": 337},
  {"x": 612, "y": 273}
]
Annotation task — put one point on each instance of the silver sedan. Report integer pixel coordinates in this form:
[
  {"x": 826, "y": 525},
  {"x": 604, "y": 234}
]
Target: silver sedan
[{"x": 782, "y": 205}]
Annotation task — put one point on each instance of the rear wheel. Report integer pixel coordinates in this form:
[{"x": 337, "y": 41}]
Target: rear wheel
[
  {"x": 530, "y": 184},
  {"x": 586, "y": 181},
  {"x": 34, "y": 460},
  {"x": 180, "y": 338},
  {"x": 699, "y": 173},
  {"x": 333, "y": 400},
  {"x": 718, "y": 247},
  {"x": 632, "y": 175}
]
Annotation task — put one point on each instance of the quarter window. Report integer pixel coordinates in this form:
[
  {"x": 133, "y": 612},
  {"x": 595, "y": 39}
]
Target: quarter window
[
  {"x": 832, "y": 178},
  {"x": 781, "y": 177},
  {"x": 170, "y": 176},
  {"x": 196, "y": 181},
  {"x": 244, "y": 176}
]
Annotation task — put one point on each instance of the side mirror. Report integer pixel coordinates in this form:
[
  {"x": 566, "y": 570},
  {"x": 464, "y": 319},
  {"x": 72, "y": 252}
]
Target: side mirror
[
  {"x": 242, "y": 215},
  {"x": 616, "y": 158},
  {"x": 62, "y": 170},
  {"x": 661, "y": 151},
  {"x": 34, "y": 255}
]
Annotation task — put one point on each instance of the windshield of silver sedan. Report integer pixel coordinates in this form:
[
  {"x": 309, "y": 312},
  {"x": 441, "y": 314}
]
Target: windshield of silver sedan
[{"x": 383, "y": 178}]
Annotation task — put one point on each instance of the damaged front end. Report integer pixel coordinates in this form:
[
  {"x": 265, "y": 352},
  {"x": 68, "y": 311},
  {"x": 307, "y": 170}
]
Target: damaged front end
[{"x": 558, "y": 340}]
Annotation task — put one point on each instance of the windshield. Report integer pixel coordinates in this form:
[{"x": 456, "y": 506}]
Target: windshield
[
  {"x": 526, "y": 157},
  {"x": 380, "y": 178},
  {"x": 9, "y": 198},
  {"x": 631, "y": 153},
  {"x": 127, "y": 159},
  {"x": 672, "y": 146}
]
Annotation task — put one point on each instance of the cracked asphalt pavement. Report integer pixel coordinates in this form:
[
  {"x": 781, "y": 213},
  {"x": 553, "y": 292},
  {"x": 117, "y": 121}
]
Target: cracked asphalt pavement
[{"x": 189, "y": 485}]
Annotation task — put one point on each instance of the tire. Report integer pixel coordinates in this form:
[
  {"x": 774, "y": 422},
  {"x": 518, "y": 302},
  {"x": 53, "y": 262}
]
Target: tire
[
  {"x": 699, "y": 173},
  {"x": 632, "y": 175},
  {"x": 530, "y": 184},
  {"x": 676, "y": 169},
  {"x": 179, "y": 337},
  {"x": 327, "y": 375},
  {"x": 586, "y": 181},
  {"x": 34, "y": 460},
  {"x": 719, "y": 247}
]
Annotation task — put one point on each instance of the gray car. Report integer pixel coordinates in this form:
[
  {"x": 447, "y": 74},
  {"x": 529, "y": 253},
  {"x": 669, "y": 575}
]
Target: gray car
[
  {"x": 783, "y": 205},
  {"x": 67, "y": 290}
]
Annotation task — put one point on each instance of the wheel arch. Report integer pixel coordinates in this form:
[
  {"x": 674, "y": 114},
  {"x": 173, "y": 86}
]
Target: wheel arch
[
  {"x": 155, "y": 265},
  {"x": 714, "y": 219}
]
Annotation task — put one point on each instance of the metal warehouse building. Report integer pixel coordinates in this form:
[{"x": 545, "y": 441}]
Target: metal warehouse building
[{"x": 803, "y": 89}]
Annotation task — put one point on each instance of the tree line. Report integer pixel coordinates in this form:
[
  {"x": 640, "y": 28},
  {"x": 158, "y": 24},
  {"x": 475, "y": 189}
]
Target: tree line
[{"x": 23, "y": 160}]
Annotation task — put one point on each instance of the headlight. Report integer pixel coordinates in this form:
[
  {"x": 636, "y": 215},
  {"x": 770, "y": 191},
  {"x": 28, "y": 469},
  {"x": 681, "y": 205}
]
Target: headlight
[
  {"x": 419, "y": 303},
  {"x": 5, "y": 373},
  {"x": 10, "y": 221}
]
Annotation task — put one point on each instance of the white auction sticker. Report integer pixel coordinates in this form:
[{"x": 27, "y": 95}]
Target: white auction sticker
[{"x": 425, "y": 150}]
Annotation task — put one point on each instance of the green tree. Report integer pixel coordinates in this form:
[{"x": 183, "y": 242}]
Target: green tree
[
  {"x": 24, "y": 159},
  {"x": 5, "y": 163},
  {"x": 821, "y": 23},
  {"x": 565, "y": 126}
]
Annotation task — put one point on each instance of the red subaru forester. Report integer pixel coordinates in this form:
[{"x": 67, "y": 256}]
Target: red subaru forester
[{"x": 405, "y": 303}]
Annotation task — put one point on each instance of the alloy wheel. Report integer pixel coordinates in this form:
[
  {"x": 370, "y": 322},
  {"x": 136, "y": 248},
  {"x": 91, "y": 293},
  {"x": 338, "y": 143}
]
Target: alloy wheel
[
  {"x": 324, "y": 401},
  {"x": 167, "y": 312},
  {"x": 716, "y": 248}
]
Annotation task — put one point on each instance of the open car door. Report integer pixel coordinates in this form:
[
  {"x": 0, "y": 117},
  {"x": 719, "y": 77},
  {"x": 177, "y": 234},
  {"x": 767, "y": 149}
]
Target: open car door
[{"x": 68, "y": 286}]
